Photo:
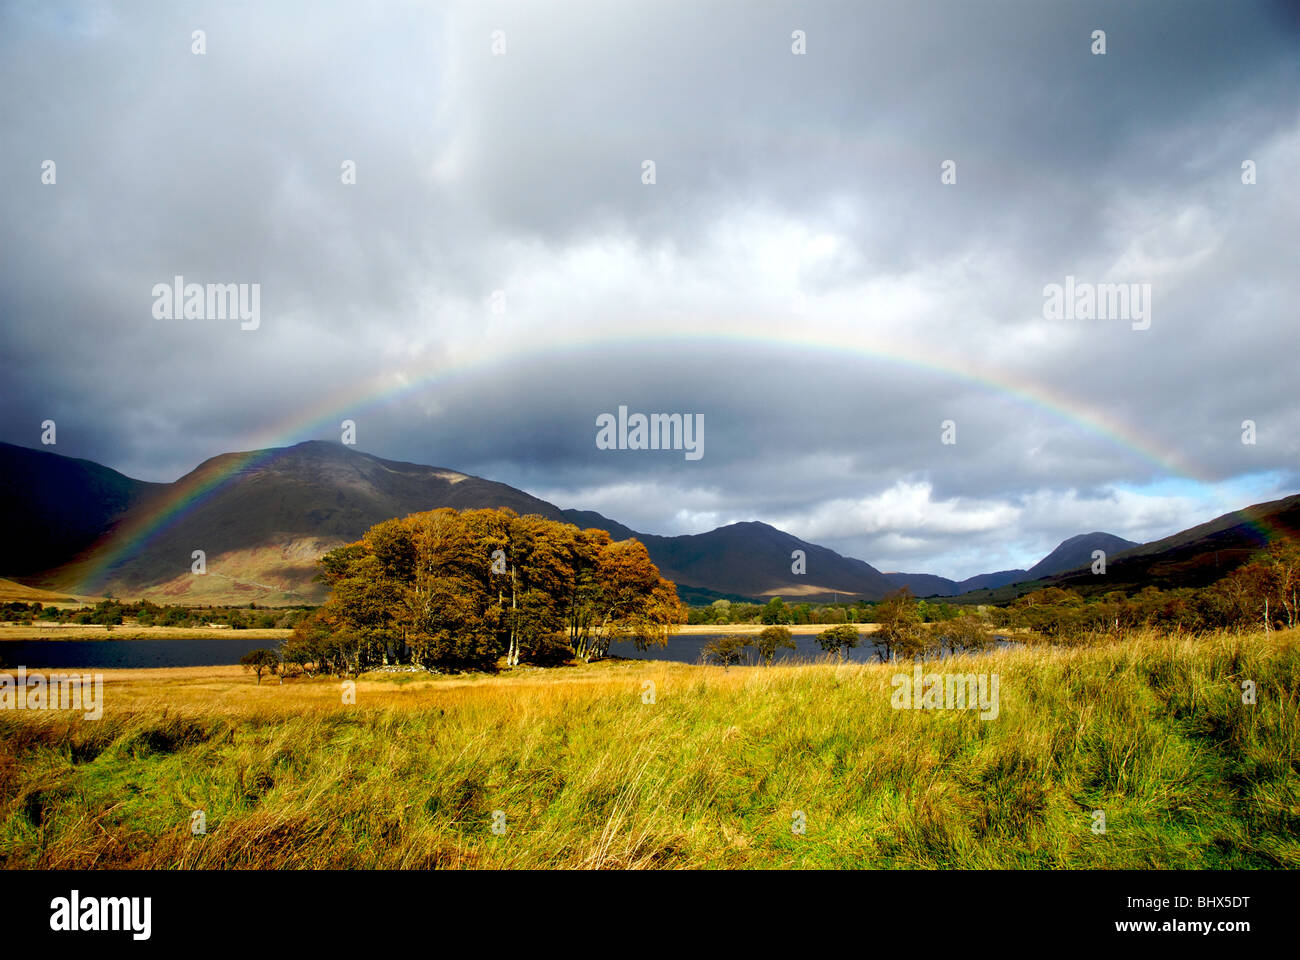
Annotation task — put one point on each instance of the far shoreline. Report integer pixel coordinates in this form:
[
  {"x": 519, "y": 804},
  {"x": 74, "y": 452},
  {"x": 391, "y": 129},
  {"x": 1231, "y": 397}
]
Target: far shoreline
[
  {"x": 754, "y": 629},
  {"x": 92, "y": 631}
]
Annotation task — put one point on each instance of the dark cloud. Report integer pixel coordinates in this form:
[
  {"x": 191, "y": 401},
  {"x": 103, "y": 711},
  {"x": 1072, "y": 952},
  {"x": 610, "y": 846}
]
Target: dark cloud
[{"x": 797, "y": 274}]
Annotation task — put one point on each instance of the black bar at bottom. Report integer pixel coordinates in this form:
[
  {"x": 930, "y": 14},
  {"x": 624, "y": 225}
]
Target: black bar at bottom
[{"x": 528, "y": 908}]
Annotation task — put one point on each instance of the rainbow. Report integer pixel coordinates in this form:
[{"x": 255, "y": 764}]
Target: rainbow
[{"x": 323, "y": 417}]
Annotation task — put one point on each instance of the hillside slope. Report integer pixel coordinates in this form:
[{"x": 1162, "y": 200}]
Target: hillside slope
[
  {"x": 1195, "y": 557},
  {"x": 52, "y": 507},
  {"x": 262, "y": 518}
]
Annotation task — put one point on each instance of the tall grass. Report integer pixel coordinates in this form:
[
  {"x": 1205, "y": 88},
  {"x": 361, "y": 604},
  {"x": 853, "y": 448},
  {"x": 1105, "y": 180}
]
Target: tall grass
[{"x": 1151, "y": 731}]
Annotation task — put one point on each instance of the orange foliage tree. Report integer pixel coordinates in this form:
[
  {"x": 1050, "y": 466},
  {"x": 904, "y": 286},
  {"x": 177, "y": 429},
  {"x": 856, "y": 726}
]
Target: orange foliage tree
[{"x": 460, "y": 590}]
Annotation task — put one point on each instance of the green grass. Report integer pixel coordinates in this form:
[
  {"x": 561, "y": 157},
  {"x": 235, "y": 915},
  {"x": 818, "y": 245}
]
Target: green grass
[{"x": 1151, "y": 731}]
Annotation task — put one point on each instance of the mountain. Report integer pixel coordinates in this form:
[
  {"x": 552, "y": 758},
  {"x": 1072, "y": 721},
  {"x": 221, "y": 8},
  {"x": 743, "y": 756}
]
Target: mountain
[
  {"x": 989, "y": 581},
  {"x": 747, "y": 560},
  {"x": 262, "y": 518},
  {"x": 924, "y": 584},
  {"x": 1199, "y": 555},
  {"x": 590, "y": 518},
  {"x": 929, "y": 585},
  {"x": 1195, "y": 557},
  {"x": 1068, "y": 555},
  {"x": 1077, "y": 552},
  {"x": 52, "y": 507}
]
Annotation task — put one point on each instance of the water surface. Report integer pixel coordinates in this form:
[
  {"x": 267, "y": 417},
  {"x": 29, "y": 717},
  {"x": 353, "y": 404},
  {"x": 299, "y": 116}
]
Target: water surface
[{"x": 223, "y": 651}]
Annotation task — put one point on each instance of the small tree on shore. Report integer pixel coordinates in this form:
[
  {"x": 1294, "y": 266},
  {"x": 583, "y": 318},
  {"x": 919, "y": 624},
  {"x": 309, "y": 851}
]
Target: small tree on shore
[
  {"x": 260, "y": 661},
  {"x": 839, "y": 639},
  {"x": 770, "y": 639},
  {"x": 725, "y": 650}
]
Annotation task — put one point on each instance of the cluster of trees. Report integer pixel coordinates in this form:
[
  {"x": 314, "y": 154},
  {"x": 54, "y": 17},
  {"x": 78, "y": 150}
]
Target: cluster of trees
[
  {"x": 903, "y": 633},
  {"x": 106, "y": 612},
  {"x": 777, "y": 612},
  {"x": 1259, "y": 595},
  {"x": 729, "y": 649},
  {"x": 453, "y": 590},
  {"x": 112, "y": 612},
  {"x": 1265, "y": 591}
]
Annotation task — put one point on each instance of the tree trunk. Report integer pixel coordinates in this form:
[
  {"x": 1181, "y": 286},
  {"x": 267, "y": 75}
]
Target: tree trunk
[{"x": 512, "y": 659}]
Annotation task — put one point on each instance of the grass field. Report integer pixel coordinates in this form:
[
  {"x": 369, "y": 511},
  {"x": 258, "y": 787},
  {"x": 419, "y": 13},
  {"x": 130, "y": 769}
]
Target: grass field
[
  {"x": 91, "y": 631},
  {"x": 713, "y": 773}
]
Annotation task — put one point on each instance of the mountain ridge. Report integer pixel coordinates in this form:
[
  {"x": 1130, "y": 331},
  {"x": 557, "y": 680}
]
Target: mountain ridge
[{"x": 262, "y": 517}]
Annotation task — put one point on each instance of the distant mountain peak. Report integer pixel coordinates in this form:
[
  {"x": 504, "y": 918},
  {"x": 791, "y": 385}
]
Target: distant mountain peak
[{"x": 1077, "y": 551}]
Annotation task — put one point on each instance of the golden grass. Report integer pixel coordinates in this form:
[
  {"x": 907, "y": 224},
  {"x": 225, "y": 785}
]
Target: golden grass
[
  {"x": 234, "y": 691},
  {"x": 94, "y": 631},
  {"x": 1152, "y": 730}
]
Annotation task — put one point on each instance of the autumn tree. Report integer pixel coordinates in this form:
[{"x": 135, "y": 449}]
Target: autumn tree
[
  {"x": 539, "y": 555},
  {"x": 453, "y": 607},
  {"x": 901, "y": 633},
  {"x": 365, "y": 604},
  {"x": 725, "y": 650},
  {"x": 459, "y": 590},
  {"x": 627, "y": 600},
  {"x": 1283, "y": 559},
  {"x": 306, "y": 647}
]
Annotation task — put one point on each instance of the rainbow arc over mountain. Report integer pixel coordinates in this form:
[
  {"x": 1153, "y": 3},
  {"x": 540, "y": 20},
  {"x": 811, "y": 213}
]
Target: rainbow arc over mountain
[{"x": 322, "y": 418}]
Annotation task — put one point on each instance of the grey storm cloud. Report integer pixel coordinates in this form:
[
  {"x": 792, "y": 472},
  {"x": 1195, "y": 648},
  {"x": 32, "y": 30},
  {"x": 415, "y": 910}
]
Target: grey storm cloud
[{"x": 797, "y": 272}]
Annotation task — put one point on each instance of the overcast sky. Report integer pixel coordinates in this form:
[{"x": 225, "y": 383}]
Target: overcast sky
[{"x": 798, "y": 273}]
